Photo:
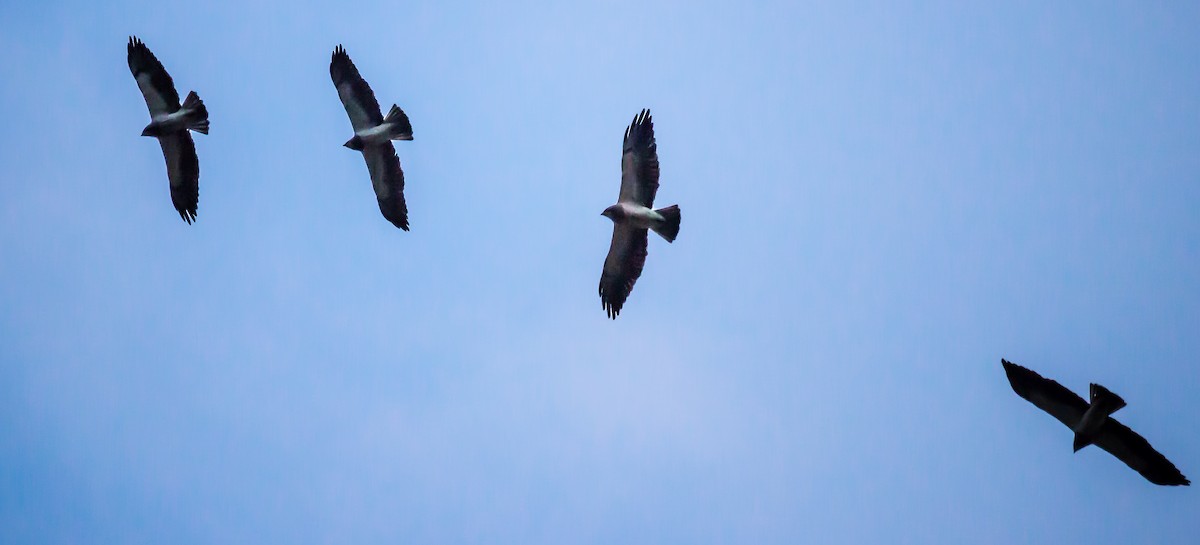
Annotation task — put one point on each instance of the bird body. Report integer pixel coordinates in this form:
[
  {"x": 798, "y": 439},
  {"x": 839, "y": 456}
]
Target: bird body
[
  {"x": 634, "y": 215},
  {"x": 165, "y": 124},
  {"x": 380, "y": 134},
  {"x": 1103, "y": 403}
]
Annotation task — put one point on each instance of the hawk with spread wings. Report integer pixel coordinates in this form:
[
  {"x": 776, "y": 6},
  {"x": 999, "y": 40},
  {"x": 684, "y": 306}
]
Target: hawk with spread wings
[
  {"x": 633, "y": 216},
  {"x": 373, "y": 135},
  {"x": 171, "y": 122},
  {"x": 1091, "y": 423}
]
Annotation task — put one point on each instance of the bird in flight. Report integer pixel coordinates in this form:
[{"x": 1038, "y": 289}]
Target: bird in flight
[
  {"x": 373, "y": 135},
  {"x": 633, "y": 215},
  {"x": 170, "y": 123},
  {"x": 1092, "y": 423}
]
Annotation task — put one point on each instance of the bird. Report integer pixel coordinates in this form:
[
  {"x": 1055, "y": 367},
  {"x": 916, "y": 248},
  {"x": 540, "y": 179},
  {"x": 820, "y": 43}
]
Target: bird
[
  {"x": 633, "y": 215},
  {"x": 373, "y": 135},
  {"x": 171, "y": 123},
  {"x": 1092, "y": 423}
]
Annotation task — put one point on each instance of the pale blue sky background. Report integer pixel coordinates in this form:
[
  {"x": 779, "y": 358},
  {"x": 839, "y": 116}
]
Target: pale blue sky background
[{"x": 880, "y": 201}]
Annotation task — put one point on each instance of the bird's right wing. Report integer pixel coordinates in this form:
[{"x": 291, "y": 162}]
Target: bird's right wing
[
  {"x": 622, "y": 267},
  {"x": 1136, "y": 452},
  {"x": 1046, "y": 394},
  {"x": 183, "y": 171},
  {"x": 356, "y": 95},
  {"x": 152, "y": 79},
  {"x": 388, "y": 180},
  {"x": 639, "y": 162}
]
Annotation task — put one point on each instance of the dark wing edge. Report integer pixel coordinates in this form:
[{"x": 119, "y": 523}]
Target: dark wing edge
[
  {"x": 388, "y": 180},
  {"x": 639, "y": 162},
  {"x": 141, "y": 60},
  {"x": 1136, "y": 452},
  {"x": 622, "y": 267},
  {"x": 1046, "y": 394},
  {"x": 183, "y": 171},
  {"x": 343, "y": 72}
]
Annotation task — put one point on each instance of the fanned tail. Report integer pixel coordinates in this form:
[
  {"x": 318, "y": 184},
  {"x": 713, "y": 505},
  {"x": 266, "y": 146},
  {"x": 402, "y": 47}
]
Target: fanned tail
[
  {"x": 401, "y": 128},
  {"x": 197, "y": 117},
  {"x": 1101, "y": 397},
  {"x": 669, "y": 228}
]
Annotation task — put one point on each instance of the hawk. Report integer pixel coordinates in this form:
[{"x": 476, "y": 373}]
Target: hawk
[
  {"x": 1092, "y": 423},
  {"x": 171, "y": 123},
  {"x": 633, "y": 215},
  {"x": 373, "y": 135}
]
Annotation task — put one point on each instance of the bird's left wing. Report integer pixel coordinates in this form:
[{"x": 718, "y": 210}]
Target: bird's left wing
[
  {"x": 388, "y": 180},
  {"x": 152, "y": 79},
  {"x": 183, "y": 171},
  {"x": 1046, "y": 394},
  {"x": 622, "y": 267},
  {"x": 357, "y": 97},
  {"x": 1136, "y": 452},
  {"x": 639, "y": 162}
]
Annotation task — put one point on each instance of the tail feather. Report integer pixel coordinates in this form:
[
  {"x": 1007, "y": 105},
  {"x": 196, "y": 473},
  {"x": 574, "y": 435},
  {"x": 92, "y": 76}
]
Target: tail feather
[
  {"x": 197, "y": 114},
  {"x": 1102, "y": 397},
  {"x": 402, "y": 129},
  {"x": 669, "y": 228}
]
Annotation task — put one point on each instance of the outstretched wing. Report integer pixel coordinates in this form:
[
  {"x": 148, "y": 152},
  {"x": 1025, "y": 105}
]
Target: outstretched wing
[
  {"x": 1046, "y": 394},
  {"x": 1136, "y": 452},
  {"x": 622, "y": 267},
  {"x": 639, "y": 162},
  {"x": 388, "y": 181},
  {"x": 153, "y": 80},
  {"x": 183, "y": 171},
  {"x": 356, "y": 95}
]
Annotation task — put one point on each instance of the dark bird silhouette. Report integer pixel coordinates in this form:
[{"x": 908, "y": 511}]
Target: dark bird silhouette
[
  {"x": 171, "y": 122},
  {"x": 373, "y": 135},
  {"x": 1092, "y": 424},
  {"x": 633, "y": 215}
]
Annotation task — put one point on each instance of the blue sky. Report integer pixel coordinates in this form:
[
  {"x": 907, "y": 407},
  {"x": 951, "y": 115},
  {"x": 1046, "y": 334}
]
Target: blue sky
[{"x": 880, "y": 200}]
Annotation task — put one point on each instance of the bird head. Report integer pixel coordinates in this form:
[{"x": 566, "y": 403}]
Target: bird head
[
  {"x": 150, "y": 130},
  {"x": 355, "y": 143},
  {"x": 613, "y": 212}
]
